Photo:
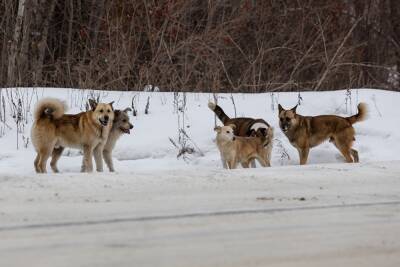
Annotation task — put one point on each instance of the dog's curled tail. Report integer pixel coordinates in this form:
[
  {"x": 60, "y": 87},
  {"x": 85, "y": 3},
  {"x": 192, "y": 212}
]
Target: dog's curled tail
[
  {"x": 49, "y": 107},
  {"x": 361, "y": 115},
  {"x": 269, "y": 136},
  {"x": 219, "y": 112}
]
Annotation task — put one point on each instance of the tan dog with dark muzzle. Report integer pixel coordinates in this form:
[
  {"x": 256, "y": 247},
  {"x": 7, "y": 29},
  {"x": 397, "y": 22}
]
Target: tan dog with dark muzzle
[{"x": 305, "y": 132}]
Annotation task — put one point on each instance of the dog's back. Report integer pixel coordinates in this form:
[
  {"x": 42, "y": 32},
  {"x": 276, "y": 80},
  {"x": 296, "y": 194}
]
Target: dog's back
[{"x": 244, "y": 126}]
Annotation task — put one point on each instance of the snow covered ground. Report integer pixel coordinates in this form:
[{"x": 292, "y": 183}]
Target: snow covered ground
[{"x": 158, "y": 210}]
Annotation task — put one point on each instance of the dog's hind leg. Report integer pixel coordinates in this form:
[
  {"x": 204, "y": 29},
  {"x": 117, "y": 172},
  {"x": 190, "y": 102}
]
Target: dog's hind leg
[
  {"x": 43, "y": 157},
  {"x": 343, "y": 142},
  {"x": 345, "y": 149},
  {"x": 87, "y": 163},
  {"x": 354, "y": 153},
  {"x": 346, "y": 152},
  {"x": 107, "y": 155},
  {"x": 36, "y": 163},
  {"x": 268, "y": 152},
  {"x": 98, "y": 157},
  {"x": 55, "y": 156}
]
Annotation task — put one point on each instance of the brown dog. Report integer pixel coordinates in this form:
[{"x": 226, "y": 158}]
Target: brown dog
[
  {"x": 305, "y": 132},
  {"x": 247, "y": 127},
  {"x": 238, "y": 149},
  {"x": 53, "y": 130}
]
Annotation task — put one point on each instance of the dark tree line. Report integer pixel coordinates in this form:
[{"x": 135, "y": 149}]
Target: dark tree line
[{"x": 199, "y": 45}]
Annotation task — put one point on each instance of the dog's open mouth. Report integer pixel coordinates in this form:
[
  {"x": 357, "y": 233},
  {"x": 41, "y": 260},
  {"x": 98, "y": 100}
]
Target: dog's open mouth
[
  {"x": 103, "y": 122},
  {"x": 127, "y": 131}
]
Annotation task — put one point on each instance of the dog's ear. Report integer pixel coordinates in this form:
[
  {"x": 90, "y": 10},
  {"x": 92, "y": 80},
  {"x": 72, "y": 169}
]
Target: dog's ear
[
  {"x": 127, "y": 109},
  {"x": 217, "y": 129},
  {"x": 294, "y": 109},
  {"x": 111, "y": 104},
  {"x": 92, "y": 104},
  {"x": 233, "y": 126},
  {"x": 280, "y": 108},
  {"x": 117, "y": 112}
]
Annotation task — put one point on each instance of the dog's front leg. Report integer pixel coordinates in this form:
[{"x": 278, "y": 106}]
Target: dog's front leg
[
  {"x": 87, "y": 163},
  {"x": 253, "y": 163},
  {"x": 246, "y": 164},
  {"x": 263, "y": 162},
  {"x": 107, "y": 155},
  {"x": 98, "y": 156},
  {"x": 223, "y": 161},
  {"x": 303, "y": 153},
  {"x": 232, "y": 164}
]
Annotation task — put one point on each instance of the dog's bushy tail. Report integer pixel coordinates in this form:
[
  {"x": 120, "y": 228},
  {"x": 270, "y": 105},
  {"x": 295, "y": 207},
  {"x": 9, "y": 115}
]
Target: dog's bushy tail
[
  {"x": 219, "y": 112},
  {"x": 269, "y": 136},
  {"x": 361, "y": 115},
  {"x": 49, "y": 107}
]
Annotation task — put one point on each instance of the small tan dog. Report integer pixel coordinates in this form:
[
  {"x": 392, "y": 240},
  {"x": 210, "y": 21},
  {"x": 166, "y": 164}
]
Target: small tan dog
[
  {"x": 53, "y": 130},
  {"x": 305, "y": 132},
  {"x": 246, "y": 127},
  {"x": 243, "y": 150}
]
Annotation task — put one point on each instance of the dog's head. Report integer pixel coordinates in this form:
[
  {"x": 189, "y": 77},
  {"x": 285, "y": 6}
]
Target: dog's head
[
  {"x": 225, "y": 133},
  {"x": 121, "y": 121},
  {"x": 103, "y": 113},
  {"x": 287, "y": 118}
]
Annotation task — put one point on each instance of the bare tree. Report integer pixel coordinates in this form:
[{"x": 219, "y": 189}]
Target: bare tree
[{"x": 12, "y": 72}]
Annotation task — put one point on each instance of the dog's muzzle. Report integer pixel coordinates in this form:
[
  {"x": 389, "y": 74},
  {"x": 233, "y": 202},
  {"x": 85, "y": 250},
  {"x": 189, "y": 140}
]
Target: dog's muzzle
[
  {"x": 285, "y": 128},
  {"x": 127, "y": 131},
  {"x": 104, "y": 121}
]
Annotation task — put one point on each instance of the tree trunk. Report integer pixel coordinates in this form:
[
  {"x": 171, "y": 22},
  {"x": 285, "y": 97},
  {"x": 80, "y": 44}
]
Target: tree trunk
[
  {"x": 43, "y": 21},
  {"x": 23, "y": 55},
  {"x": 12, "y": 68},
  {"x": 96, "y": 16}
]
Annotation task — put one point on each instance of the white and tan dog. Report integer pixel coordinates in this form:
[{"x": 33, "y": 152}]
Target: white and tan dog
[
  {"x": 53, "y": 130},
  {"x": 238, "y": 149}
]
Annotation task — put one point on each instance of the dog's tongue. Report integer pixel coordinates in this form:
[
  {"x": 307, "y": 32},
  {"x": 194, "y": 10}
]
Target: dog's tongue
[{"x": 127, "y": 131}]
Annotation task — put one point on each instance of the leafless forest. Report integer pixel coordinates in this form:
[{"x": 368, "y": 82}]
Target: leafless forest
[{"x": 200, "y": 45}]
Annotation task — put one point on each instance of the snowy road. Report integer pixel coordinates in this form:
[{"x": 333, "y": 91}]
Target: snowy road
[{"x": 317, "y": 215}]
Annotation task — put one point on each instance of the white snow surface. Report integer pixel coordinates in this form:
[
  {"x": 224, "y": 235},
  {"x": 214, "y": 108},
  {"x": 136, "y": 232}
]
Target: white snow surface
[{"x": 158, "y": 210}]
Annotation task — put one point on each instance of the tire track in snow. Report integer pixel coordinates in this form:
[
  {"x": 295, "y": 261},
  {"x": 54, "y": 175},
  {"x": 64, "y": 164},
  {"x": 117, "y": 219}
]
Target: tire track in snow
[{"x": 193, "y": 215}]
